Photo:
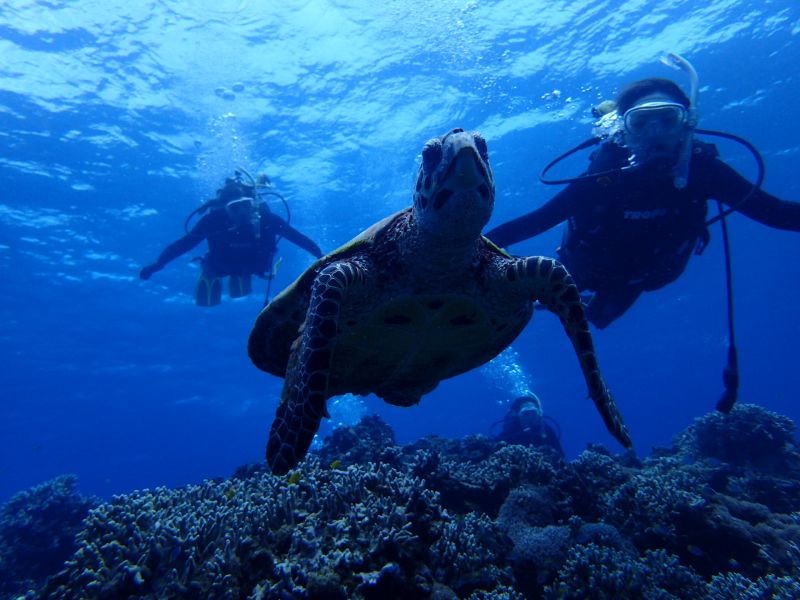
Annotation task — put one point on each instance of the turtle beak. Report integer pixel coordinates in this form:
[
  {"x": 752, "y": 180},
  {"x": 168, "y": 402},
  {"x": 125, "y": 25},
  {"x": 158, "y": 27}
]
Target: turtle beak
[
  {"x": 465, "y": 173},
  {"x": 467, "y": 169}
]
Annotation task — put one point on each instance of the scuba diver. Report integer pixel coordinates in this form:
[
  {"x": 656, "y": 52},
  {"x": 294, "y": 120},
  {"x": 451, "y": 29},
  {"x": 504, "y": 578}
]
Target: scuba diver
[
  {"x": 242, "y": 235},
  {"x": 639, "y": 211},
  {"x": 526, "y": 424}
]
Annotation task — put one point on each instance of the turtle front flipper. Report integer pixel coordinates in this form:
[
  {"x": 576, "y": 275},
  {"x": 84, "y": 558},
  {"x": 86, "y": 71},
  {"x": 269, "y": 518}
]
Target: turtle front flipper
[
  {"x": 552, "y": 285},
  {"x": 305, "y": 390}
]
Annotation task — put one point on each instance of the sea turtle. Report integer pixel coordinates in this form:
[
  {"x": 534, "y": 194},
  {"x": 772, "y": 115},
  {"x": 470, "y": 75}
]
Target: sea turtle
[{"x": 418, "y": 297}]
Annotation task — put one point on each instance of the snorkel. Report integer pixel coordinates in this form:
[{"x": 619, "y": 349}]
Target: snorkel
[{"x": 680, "y": 172}]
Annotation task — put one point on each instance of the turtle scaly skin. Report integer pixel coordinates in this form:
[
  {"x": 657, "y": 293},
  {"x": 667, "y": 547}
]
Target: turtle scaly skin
[{"x": 419, "y": 297}]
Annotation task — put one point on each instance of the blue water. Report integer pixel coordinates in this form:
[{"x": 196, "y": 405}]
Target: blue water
[{"x": 118, "y": 118}]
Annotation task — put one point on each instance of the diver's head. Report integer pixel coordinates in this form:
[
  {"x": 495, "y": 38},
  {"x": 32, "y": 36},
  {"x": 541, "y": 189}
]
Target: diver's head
[
  {"x": 242, "y": 211},
  {"x": 529, "y": 412},
  {"x": 655, "y": 115},
  {"x": 239, "y": 200},
  {"x": 233, "y": 189}
]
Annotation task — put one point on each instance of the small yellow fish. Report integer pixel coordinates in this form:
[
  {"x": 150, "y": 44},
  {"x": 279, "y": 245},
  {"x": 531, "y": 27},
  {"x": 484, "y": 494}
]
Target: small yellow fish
[
  {"x": 336, "y": 464},
  {"x": 294, "y": 478},
  {"x": 231, "y": 492}
]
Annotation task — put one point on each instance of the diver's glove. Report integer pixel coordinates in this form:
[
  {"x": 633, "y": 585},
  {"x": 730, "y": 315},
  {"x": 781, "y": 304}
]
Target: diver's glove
[{"x": 148, "y": 271}]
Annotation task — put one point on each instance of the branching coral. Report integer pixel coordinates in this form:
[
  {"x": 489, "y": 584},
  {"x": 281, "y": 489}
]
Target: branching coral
[
  {"x": 37, "y": 531},
  {"x": 471, "y": 518}
]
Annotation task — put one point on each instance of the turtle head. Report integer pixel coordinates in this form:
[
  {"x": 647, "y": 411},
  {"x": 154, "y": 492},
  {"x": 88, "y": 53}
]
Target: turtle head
[{"x": 454, "y": 194}]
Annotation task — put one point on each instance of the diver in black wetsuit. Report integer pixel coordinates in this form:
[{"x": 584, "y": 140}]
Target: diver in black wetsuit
[
  {"x": 242, "y": 235},
  {"x": 639, "y": 212},
  {"x": 525, "y": 424}
]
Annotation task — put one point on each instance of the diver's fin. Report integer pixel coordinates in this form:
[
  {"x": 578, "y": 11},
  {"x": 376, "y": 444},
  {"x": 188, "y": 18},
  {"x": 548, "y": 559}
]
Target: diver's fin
[
  {"x": 240, "y": 285},
  {"x": 208, "y": 291},
  {"x": 274, "y": 271}
]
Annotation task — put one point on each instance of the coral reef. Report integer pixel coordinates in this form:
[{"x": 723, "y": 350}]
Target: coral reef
[
  {"x": 364, "y": 530},
  {"x": 371, "y": 441},
  {"x": 471, "y": 518},
  {"x": 593, "y": 571},
  {"x": 37, "y": 532}
]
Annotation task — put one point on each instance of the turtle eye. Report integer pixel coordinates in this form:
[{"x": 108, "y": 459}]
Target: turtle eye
[
  {"x": 431, "y": 155},
  {"x": 480, "y": 145}
]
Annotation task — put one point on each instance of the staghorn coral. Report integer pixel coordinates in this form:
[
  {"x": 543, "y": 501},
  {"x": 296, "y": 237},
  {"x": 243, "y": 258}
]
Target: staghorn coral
[
  {"x": 579, "y": 489},
  {"x": 482, "y": 480},
  {"x": 472, "y": 565},
  {"x": 733, "y": 586},
  {"x": 444, "y": 519},
  {"x": 668, "y": 505},
  {"x": 370, "y": 440},
  {"x": 501, "y": 592},
  {"x": 364, "y": 529},
  {"x": 645, "y": 506},
  {"x": 594, "y": 572}
]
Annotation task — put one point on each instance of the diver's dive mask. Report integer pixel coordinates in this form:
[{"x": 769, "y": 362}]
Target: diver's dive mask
[
  {"x": 530, "y": 414},
  {"x": 656, "y": 119},
  {"x": 242, "y": 210},
  {"x": 655, "y": 130}
]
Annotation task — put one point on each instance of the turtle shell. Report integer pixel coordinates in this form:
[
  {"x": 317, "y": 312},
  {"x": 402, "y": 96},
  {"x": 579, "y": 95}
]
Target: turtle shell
[
  {"x": 403, "y": 333},
  {"x": 278, "y": 324}
]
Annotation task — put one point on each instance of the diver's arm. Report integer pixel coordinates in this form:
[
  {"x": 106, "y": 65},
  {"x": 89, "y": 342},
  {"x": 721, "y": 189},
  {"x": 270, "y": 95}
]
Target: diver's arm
[
  {"x": 177, "y": 248},
  {"x": 288, "y": 232},
  {"x": 550, "y": 214},
  {"x": 729, "y": 187}
]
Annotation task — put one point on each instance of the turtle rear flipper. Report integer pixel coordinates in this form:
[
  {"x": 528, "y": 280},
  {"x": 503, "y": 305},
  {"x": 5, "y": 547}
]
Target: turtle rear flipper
[
  {"x": 306, "y": 390},
  {"x": 552, "y": 285}
]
